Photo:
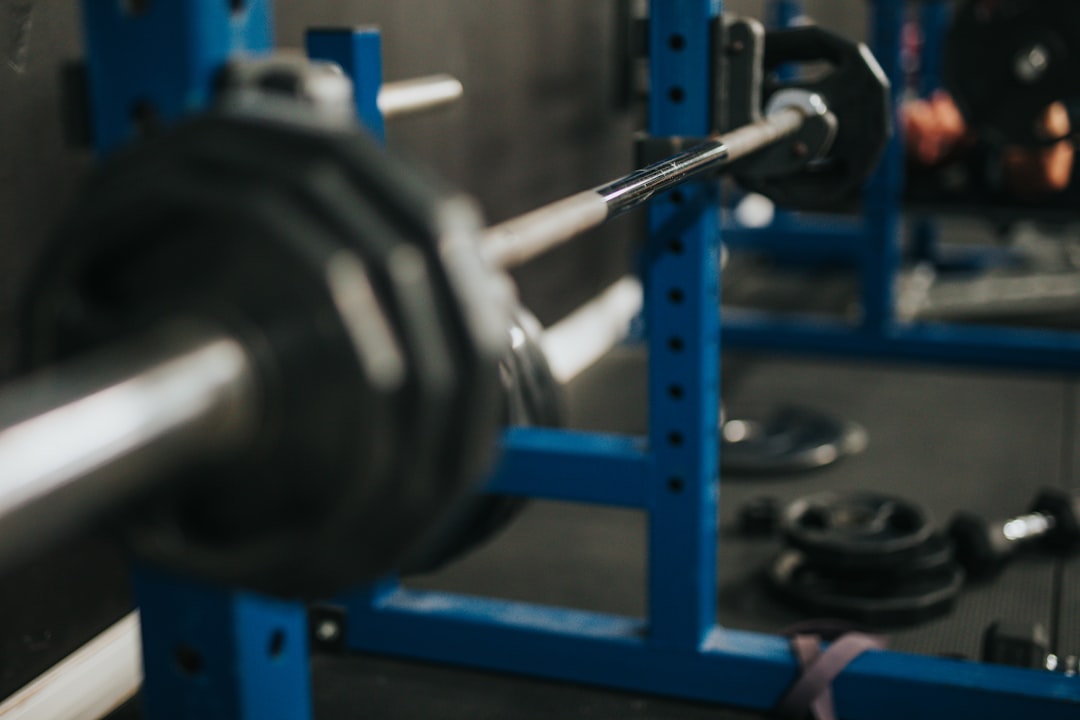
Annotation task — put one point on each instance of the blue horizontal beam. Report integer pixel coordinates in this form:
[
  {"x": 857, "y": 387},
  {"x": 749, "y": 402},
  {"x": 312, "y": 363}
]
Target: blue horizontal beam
[
  {"x": 574, "y": 467},
  {"x": 733, "y": 668},
  {"x": 938, "y": 343},
  {"x": 817, "y": 239}
]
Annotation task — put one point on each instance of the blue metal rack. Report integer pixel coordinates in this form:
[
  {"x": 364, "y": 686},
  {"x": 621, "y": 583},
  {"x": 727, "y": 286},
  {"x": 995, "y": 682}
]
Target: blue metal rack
[
  {"x": 208, "y": 652},
  {"x": 871, "y": 243},
  {"x": 217, "y": 654},
  {"x": 678, "y": 649}
]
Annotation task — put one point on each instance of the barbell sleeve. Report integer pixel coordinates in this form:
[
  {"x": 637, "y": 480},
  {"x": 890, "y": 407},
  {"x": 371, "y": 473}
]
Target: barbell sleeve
[
  {"x": 526, "y": 237},
  {"x": 92, "y": 683},
  {"x": 80, "y": 440},
  {"x": 410, "y": 97},
  {"x": 582, "y": 338}
]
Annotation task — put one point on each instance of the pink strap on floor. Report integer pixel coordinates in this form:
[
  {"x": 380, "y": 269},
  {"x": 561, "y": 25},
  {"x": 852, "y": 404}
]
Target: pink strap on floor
[{"x": 812, "y": 691}]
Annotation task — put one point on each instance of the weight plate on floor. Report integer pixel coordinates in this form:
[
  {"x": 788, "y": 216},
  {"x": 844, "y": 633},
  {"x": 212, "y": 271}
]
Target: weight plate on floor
[
  {"x": 857, "y": 530},
  {"x": 915, "y": 598},
  {"x": 790, "y": 439},
  {"x": 936, "y": 555}
]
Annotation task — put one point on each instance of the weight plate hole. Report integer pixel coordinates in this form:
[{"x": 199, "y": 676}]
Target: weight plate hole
[
  {"x": 189, "y": 660},
  {"x": 903, "y": 523},
  {"x": 136, "y": 7},
  {"x": 816, "y": 519},
  {"x": 146, "y": 118},
  {"x": 276, "y": 646}
]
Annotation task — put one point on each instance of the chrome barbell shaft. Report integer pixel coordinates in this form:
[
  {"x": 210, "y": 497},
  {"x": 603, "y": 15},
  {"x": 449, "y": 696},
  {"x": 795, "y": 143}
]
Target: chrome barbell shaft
[
  {"x": 78, "y": 441},
  {"x": 521, "y": 239},
  {"x": 409, "y": 97}
]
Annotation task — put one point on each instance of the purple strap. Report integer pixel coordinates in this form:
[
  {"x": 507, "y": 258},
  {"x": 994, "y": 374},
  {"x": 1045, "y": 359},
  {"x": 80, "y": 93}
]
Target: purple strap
[{"x": 812, "y": 691}]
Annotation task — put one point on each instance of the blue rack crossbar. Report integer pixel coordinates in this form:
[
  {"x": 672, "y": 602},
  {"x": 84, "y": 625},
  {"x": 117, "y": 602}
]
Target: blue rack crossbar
[
  {"x": 574, "y": 467},
  {"x": 731, "y": 668}
]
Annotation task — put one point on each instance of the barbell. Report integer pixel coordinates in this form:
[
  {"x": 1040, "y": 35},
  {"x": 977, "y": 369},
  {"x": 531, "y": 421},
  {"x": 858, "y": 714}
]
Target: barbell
[{"x": 271, "y": 351}]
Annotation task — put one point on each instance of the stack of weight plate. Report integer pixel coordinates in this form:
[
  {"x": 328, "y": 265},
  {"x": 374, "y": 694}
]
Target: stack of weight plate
[{"x": 870, "y": 558}]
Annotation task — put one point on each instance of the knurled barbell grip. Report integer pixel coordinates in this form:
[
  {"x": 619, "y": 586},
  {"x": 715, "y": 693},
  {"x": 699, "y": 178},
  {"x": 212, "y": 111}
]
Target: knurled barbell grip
[{"x": 521, "y": 239}]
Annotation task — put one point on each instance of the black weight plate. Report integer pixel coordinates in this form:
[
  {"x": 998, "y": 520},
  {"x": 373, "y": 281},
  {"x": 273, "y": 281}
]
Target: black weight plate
[
  {"x": 916, "y": 598},
  {"x": 404, "y": 280},
  {"x": 986, "y": 44},
  {"x": 533, "y": 397},
  {"x": 935, "y": 555},
  {"x": 454, "y": 444},
  {"x": 430, "y": 434},
  {"x": 473, "y": 301},
  {"x": 311, "y": 534},
  {"x": 790, "y": 439},
  {"x": 419, "y": 493},
  {"x": 541, "y": 396},
  {"x": 856, "y": 91},
  {"x": 857, "y": 530},
  {"x": 469, "y": 299},
  {"x": 227, "y": 249}
]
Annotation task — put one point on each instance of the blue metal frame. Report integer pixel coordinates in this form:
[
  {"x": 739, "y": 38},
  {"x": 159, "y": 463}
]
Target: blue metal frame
[
  {"x": 215, "y": 654},
  {"x": 871, "y": 242},
  {"x": 677, "y": 650},
  {"x": 784, "y": 13},
  {"x": 208, "y": 653},
  {"x": 359, "y": 52},
  {"x": 162, "y": 60}
]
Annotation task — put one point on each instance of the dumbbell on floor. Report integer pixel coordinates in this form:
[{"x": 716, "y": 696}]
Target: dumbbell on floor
[{"x": 983, "y": 546}]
